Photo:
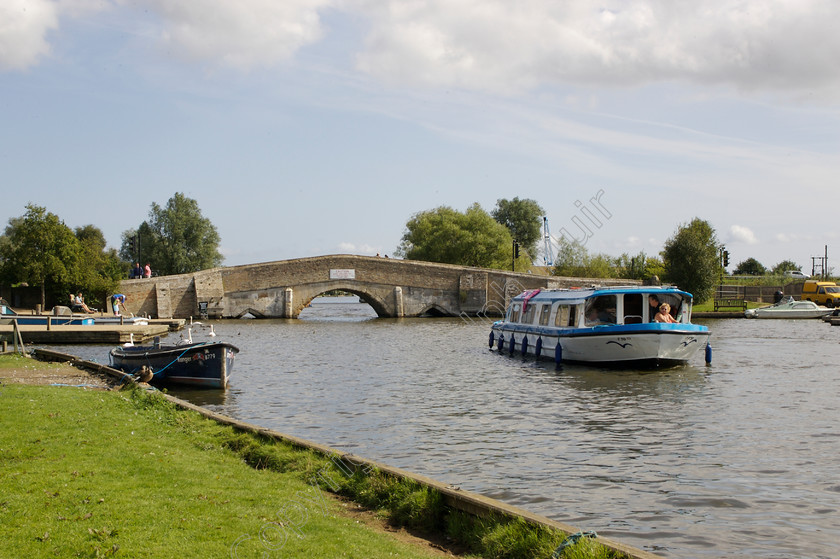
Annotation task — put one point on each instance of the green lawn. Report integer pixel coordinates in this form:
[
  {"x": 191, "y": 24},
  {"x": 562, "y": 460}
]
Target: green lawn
[
  {"x": 98, "y": 474},
  {"x": 92, "y": 473}
]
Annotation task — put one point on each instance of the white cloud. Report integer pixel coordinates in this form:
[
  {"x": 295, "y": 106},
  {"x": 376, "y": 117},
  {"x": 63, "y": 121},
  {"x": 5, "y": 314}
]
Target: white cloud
[
  {"x": 241, "y": 34},
  {"x": 24, "y": 25},
  {"x": 741, "y": 234},
  {"x": 493, "y": 45},
  {"x": 502, "y": 45}
]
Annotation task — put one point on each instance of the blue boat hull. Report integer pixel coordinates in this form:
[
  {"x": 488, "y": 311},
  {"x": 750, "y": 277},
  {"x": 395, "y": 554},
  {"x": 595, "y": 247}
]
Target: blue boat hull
[
  {"x": 200, "y": 364},
  {"x": 41, "y": 320}
]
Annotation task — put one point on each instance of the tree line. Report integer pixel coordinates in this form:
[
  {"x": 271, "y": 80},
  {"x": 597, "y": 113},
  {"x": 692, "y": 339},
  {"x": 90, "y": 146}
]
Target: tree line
[
  {"x": 38, "y": 249},
  {"x": 690, "y": 258}
]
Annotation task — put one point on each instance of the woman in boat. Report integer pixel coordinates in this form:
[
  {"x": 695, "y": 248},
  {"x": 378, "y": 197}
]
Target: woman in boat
[{"x": 664, "y": 314}]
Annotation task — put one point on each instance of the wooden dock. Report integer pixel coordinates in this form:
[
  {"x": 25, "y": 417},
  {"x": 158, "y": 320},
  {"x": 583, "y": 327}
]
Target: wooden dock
[{"x": 90, "y": 334}]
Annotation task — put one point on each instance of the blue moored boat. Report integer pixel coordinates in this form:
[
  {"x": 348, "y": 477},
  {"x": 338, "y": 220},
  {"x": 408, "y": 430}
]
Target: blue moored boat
[
  {"x": 601, "y": 325},
  {"x": 202, "y": 364}
]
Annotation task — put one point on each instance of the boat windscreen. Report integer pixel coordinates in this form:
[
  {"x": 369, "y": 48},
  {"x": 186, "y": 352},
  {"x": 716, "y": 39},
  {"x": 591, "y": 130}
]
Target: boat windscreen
[
  {"x": 600, "y": 310},
  {"x": 513, "y": 314},
  {"x": 674, "y": 300}
]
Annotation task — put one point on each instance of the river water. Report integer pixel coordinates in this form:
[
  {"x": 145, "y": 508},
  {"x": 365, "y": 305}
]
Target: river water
[{"x": 737, "y": 459}]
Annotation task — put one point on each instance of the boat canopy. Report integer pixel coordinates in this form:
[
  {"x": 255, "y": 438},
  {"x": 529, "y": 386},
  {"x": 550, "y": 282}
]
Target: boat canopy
[{"x": 585, "y": 308}]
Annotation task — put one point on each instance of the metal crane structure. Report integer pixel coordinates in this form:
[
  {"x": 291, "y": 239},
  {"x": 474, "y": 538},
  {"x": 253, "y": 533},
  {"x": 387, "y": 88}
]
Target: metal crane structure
[{"x": 548, "y": 257}]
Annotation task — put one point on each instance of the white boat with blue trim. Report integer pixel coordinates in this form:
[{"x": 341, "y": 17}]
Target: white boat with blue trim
[{"x": 602, "y": 325}]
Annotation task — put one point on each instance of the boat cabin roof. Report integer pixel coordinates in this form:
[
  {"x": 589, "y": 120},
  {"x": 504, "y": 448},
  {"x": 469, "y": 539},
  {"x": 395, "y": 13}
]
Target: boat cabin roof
[{"x": 595, "y": 291}]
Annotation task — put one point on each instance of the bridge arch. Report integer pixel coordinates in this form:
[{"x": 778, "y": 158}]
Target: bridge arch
[
  {"x": 435, "y": 310},
  {"x": 253, "y": 312},
  {"x": 365, "y": 295}
]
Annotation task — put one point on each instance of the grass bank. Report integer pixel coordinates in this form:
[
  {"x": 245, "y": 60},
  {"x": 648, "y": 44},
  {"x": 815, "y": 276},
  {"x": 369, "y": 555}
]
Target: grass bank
[{"x": 97, "y": 474}]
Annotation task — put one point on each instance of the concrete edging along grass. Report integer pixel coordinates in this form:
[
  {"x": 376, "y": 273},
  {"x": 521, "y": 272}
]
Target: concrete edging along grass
[{"x": 454, "y": 497}]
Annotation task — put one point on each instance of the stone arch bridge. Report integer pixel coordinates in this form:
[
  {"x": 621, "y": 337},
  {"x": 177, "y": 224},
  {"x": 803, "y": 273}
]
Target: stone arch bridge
[{"x": 282, "y": 289}]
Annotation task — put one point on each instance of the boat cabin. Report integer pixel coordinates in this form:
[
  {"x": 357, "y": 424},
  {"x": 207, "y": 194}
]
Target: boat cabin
[{"x": 585, "y": 309}]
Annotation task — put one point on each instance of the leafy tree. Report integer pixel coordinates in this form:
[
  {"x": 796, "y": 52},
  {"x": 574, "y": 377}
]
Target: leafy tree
[
  {"x": 749, "y": 267},
  {"x": 691, "y": 258},
  {"x": 39, "y": 249},
  {"x": 100, "y": 268},
  {"x": 176, "y": 239},
  {"x": 573, "y": 260},
  {"x": 127, "y": 254},
  {"x": 785, "y": 266},
  {"x": 471, "y": 238},
  {"x": 632, "y": 267},
  {"x": 654, "y": 268},
  {"x": 524, "y": 219}
]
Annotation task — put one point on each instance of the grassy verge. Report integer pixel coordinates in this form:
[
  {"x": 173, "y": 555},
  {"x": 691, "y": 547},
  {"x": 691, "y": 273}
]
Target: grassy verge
[
  {"x": 11, "y": 361},
  {"x": 98, "y": 474}
]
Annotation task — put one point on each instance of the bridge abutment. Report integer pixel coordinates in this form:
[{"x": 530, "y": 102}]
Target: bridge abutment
[
  {"x": 399, "y": 308},
  {"x": 288, "y": 303}
]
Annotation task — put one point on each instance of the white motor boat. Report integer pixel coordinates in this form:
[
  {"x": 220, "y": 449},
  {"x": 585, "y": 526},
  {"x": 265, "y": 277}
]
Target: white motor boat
[
  {"x": 789, "y": 308},
  {"x": 602, "y": 325}
]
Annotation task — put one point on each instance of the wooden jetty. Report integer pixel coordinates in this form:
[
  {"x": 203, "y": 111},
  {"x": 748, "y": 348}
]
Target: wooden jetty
[{"x": 88, "y": 334}]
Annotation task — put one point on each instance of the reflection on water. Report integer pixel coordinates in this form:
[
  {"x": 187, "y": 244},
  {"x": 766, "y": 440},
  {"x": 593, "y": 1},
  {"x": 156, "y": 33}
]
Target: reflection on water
[{"x": 735, "y": 459}]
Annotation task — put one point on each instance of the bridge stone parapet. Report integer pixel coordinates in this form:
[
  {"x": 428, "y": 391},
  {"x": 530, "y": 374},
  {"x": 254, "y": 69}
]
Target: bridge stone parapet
[{"x": 282, "y": 289}]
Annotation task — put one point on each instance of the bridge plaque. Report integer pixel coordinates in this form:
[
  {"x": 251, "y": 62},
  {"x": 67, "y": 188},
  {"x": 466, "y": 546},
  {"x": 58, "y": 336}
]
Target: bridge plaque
[{"x": 342, "y": 274}]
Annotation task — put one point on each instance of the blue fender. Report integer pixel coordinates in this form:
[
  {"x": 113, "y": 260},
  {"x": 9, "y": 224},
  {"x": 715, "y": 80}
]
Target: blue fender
[
  {"x": 538, "y": 347},
  {"x": 558, "y": 353}
]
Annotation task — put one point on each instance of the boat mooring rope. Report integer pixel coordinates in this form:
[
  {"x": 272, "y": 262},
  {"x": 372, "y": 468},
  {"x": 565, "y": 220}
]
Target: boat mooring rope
[
  {"x": 572, "y": 540},
  {"x": 155, "y": 373}
]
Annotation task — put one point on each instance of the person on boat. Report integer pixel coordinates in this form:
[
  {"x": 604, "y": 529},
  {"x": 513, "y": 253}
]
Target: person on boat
[
  {"x": 654, "y": 303},
  {"x": 664, "y": 314},
  {"x": 117, "y": 301}
]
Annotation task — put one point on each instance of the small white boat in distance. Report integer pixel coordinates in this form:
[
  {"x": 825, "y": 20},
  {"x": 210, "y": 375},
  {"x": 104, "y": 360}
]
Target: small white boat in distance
[
  {"x": 789, "y": 308},
  {"x": 602, "y": 325}
]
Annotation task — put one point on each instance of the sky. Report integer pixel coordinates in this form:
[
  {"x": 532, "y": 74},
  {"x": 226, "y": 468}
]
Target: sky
[{"x": 312, "y": 127}]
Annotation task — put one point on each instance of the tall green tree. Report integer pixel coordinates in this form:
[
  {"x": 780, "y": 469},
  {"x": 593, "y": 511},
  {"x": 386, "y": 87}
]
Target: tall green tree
[
  {"x": 691, "y": 259},
  {"x": 785, "y": 266},
  {"x": 100, "y": 268},
  {"x": 574, "y": 260},
  {"x": 750, "y": 267},
  {"x": 633, "y": 267},
  {"x": 471, "y": 238},
  {"x": 524, "y": 220},
  {"x": 176, "y": 239},
  {"x": 39, "y": 249}
]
